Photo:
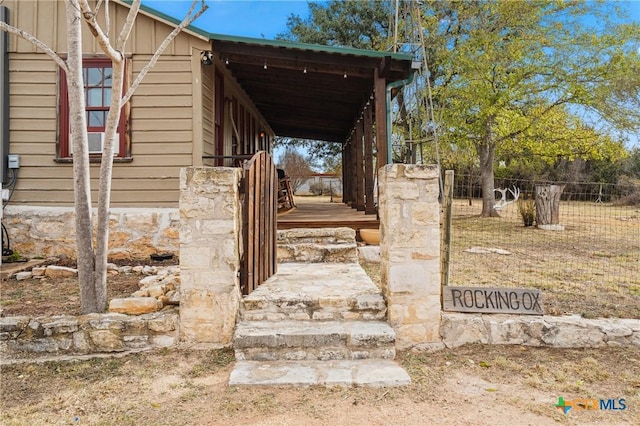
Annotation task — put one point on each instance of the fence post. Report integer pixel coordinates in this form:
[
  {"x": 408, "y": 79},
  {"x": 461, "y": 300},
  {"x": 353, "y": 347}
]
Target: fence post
[{"x": 446, "y": 228}]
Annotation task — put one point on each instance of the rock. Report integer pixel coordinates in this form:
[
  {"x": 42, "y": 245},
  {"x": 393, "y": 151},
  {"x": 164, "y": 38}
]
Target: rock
[
  {"x": 174, "y": 297},
  {"x": 24, "y": 275},
  {"x": 106, "y": 341},
  {"x": 54, "y": 271},
  {"x": 140, "y": 293},
  {"x": 149, "y": 281},
  {"x": 156, "y": 291},
  {"x": 137, "y": 269},
  {"x": 149, "y": 270},
  {"x": 135, "y": 305},
  {"x": 38, "y": 271},
  {"x": 487, "y": 250},
  {"x": 112, "y": 272},
  {"x": 112, "y": 267},
  {"x": 125, "y": 269}
]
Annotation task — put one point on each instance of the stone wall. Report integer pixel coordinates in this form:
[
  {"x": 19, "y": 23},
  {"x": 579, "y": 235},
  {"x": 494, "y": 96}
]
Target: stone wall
[
  {"x": 134, "y": 233},
  {"x": 560, "y": 332},
  {"x": 410, "y": 252},
  {"x": 210, "y": 244},
  {"x": 87, "y": 334}
]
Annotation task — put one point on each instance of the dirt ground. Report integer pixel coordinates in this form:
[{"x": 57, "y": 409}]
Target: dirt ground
[{"x": 471, "y": 385}]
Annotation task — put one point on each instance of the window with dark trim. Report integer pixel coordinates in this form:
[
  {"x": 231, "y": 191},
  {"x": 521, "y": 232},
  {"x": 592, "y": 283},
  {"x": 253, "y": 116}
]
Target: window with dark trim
[{"x": 97, "y": 77}]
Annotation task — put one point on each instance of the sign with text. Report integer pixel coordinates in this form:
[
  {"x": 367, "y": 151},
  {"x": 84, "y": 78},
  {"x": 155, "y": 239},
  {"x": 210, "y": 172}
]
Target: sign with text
[{"x": 492, "y": 300}]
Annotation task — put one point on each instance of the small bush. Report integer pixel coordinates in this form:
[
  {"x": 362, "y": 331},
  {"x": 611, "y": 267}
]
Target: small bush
[{"x": 527, "y": 210}]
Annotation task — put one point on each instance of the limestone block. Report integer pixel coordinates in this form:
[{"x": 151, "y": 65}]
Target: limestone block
[
  {"x": 421, "y": 171},
  {"x": 459, "y": 329},
  {"x": 196, "y": 257},
  {"x": 155, "y": 290},
  {"x": 369, "y": 254},
  {"x": 54, "y": 271},
  {"x": 136, "y": 342},
  {"x": 135, "y": 305},
  {"x": 414, "y": 278},
  {"x": 12, "y": 327},
  {"x": 217, "y": 227},
  {"x": 106, "y": 341},
  {"x": 140, "y": 293},
  {"x": 163, "y": 323},
  {"x": 24, "y": 275},
  {"x": 573, "y": 333},
  {"x": 109, "y": 321},
  {"x": 425, "y": 213},
  {"x": 402, "y": 190},
  {"x": 59, "y": 325},
  {"x": 162, "y": 341},
  {"x": 81, "y": 342},
  {"x": 38, "y": 271}
]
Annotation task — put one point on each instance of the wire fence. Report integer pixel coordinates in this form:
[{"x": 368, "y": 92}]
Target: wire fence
[{"x": 590, "y": 267}]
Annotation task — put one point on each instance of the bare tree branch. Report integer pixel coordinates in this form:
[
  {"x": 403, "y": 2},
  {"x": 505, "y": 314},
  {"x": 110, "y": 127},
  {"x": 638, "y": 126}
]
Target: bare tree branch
[
  {"x": 128, "y": 26},
  {"x": 103, "y": 41},
  {"x": 189, "y": 18},
  {"x": 36, "y": 42}
]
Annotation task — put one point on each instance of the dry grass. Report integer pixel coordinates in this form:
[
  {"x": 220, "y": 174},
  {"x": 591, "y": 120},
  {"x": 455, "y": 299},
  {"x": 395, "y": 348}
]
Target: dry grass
[
  {"x": 471, "y": 385},
  {"x": 592, "y": 268}
]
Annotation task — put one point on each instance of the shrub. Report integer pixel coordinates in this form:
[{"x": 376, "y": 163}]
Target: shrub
[{"x": 527, "y": 210}]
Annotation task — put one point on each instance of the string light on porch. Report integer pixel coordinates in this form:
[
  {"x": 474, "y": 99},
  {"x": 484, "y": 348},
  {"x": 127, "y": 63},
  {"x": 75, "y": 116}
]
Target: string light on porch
[
  {"x": 226, "y": 61},
  {"x": 345, "y": 73},
  {"x": 305, "y": 70},
  {"x": 265, "y": 65}
]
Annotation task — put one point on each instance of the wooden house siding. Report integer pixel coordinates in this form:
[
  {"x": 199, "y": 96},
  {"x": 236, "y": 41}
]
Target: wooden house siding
[
  {"x": 161, "y": 115},
  {"x": 171, "y": 119}
]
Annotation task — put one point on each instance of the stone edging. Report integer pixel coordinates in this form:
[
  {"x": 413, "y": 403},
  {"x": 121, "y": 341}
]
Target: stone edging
[
  {"x": 457, "y": 329},
  {"x": 88, "y": 334}
]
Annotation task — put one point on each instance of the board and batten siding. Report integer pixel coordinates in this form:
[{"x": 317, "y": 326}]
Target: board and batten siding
[{"x": 162, "y": 111}]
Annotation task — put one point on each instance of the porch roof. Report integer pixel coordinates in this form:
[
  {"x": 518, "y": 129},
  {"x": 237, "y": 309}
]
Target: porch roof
[{"x": 308, "y": 91}]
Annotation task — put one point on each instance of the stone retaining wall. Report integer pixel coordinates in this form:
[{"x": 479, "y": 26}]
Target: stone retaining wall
[
  {"x": 134, "y": 233},
  {"x": 87, "y": 334},
  {"x": 458, "y": 329}
]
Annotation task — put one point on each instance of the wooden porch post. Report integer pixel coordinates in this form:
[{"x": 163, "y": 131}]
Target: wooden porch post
[
  {"x": 353, "y": 165},
  {"x": 380, "y": 88},
  {"x": 359, "y": 166},
  {"x": 345, "y": 182},
  {"x": 369, "y": 208}
]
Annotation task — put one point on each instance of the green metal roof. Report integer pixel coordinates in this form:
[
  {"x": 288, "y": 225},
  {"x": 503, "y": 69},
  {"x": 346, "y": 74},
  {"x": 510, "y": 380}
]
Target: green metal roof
[{"x": 273, "y": 43}]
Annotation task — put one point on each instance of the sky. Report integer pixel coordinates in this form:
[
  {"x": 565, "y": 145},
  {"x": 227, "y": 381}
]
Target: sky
[{"x": 249, "y": 18}]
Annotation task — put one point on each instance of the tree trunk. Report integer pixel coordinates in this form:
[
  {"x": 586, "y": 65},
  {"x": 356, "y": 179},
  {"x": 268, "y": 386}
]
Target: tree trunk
[
  {"x": 104, "y": 194},
  {"x": 81, "y": 182},
  {"x": 548, "y": 204},
  {"x": 486, "y": 153}
]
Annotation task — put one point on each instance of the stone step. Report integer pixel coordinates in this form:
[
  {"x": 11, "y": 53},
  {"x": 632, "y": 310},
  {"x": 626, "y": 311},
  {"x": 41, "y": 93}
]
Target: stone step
[
  {"x": 312, "y": 252},
  {"x": 313, "y": 340},
  {"x": 373, "y": 373},
  {"x": 315, "y": 291},
  {"x": 317, "y": 245}
]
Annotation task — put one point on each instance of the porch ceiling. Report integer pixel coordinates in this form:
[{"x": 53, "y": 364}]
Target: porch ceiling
[{"x": 318, "y": 104}]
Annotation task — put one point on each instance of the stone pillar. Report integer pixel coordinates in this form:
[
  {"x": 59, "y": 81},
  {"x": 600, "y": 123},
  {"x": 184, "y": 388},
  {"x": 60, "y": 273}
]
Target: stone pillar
[
  {"x": 210, "y": 238},
  {"x": 410, "y": 251}
]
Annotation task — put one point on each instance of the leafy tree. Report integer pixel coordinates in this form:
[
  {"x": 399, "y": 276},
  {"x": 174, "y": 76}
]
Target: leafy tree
[
  {"x": 357, "y": 24},
  {"x": 509, "y": 76},
  {"x": 92, "y": 260}
]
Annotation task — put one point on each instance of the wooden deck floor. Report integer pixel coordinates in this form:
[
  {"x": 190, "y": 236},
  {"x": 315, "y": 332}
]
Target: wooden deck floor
[{"x": 317, "y": 212}]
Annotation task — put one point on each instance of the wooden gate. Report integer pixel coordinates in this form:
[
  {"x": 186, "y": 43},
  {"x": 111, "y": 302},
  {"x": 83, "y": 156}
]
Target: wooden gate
[{"x": 259, "y": 190}]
